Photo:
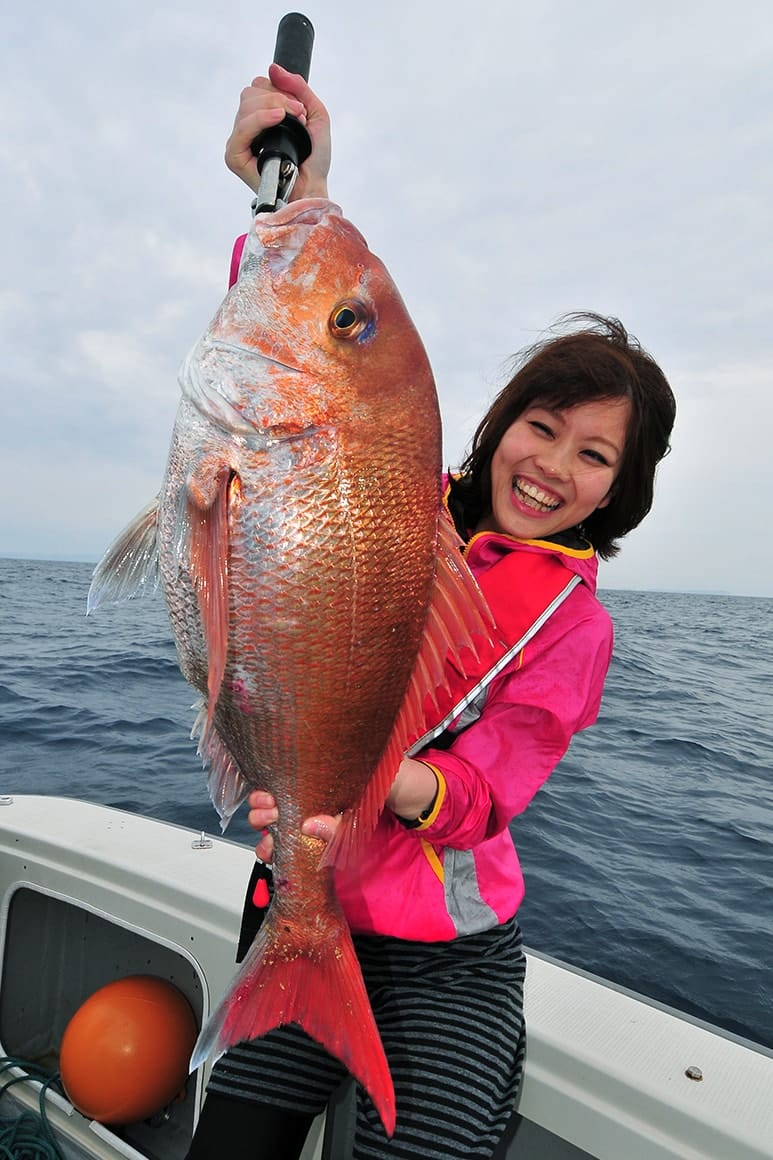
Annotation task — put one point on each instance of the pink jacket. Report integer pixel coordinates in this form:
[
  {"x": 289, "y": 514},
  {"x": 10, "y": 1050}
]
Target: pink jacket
[{"x": 458, "y": 873}]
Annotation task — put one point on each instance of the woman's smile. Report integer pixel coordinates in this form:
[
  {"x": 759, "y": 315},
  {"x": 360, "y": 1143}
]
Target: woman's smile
[
  {"x": 533, "y": 497},
  {"x": 552, "y": 468}
]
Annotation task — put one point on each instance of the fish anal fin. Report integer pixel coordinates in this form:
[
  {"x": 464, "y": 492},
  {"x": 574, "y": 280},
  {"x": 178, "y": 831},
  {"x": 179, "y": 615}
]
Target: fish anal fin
[
  {"x": 209, "y": 487},
  {"x": 320, "y": 988},
  {"x": 227, "y": 787},
  {"x": 129, "y": 567}
]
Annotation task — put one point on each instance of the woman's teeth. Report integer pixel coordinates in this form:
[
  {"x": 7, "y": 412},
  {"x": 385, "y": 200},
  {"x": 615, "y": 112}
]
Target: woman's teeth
[{"x": 531, "y": 495}]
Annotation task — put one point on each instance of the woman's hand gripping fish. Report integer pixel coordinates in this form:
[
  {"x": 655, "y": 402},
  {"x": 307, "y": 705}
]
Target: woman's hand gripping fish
[{"x": 312, "y": 587}]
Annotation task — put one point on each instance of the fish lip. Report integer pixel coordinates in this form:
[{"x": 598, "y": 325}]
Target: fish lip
[
  {"x": 268, "y": 229},
  {"x": 310, "y": 209}
]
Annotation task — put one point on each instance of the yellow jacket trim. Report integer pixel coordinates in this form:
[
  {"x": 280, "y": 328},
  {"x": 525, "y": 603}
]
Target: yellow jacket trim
[
  {"x": 575, "y": 553},
  {"x": 439, "y": 797},
  {"x": 432, "y": 858}
]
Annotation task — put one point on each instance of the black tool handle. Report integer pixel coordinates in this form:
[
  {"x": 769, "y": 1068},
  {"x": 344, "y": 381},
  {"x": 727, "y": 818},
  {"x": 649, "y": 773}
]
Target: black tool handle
[
  {"x": 289, "y": 139},
  {"x": 294, "y": 42}
]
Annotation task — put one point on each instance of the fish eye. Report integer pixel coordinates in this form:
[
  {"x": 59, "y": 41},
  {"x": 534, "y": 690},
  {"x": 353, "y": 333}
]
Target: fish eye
[{"x": 349, "y": 319}]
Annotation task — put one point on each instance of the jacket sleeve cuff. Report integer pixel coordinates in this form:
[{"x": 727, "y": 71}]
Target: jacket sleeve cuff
[{"x": 429, "y": 815}]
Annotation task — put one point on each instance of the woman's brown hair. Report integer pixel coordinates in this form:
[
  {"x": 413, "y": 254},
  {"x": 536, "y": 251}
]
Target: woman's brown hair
[{"x": 600, "y": 360}]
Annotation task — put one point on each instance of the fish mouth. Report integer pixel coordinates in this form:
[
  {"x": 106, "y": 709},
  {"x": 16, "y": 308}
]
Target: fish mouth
[
  {"x": 305, "y": 211},
  {"x": 284, "y": 233}
]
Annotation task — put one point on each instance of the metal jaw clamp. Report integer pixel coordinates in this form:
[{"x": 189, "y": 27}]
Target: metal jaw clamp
[
  {"x": 281, "y": 151},
  {"x": 280, "y": 154}
]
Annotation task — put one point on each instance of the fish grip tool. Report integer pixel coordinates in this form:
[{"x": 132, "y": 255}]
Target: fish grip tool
[{"x": 281, "y": 150}]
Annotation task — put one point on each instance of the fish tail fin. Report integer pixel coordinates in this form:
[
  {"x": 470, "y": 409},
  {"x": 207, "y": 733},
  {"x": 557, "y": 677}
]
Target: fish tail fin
[{"x": 319, "y": 987}]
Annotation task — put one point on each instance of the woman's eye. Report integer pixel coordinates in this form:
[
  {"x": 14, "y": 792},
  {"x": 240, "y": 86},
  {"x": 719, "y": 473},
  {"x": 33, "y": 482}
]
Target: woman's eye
[
  {"x": 540, "y": 426},
  {"x": 597, "y": 457}
]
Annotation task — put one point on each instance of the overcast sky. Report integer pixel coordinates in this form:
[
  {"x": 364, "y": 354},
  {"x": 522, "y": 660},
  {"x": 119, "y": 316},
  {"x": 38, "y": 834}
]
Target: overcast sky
[{"x": 509, "y": 162}]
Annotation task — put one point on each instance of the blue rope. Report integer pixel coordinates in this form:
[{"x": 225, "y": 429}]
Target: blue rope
[{"x": 26, "y": 1136}]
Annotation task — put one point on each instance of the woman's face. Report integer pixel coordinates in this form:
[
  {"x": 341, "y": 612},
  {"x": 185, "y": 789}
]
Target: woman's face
[{"x": 552, "y": 468}]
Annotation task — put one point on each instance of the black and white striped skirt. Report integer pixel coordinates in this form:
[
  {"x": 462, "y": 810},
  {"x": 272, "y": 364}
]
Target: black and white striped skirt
[{"x": 450, "y": 1016}]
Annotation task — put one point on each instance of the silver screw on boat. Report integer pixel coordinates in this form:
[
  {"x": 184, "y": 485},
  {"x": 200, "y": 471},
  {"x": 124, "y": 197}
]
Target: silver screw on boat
[
  {"x": 6, "y": 799},
  {"x": 202, "y": 842},
  {"x": 694, "y": 1073}
]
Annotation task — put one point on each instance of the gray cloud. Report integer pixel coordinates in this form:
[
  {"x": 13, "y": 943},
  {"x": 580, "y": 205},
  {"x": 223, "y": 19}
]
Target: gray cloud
[{"x": 508, "y": 163}]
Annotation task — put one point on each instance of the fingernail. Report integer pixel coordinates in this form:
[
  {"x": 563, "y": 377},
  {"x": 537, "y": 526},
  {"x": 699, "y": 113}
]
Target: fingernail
[{"x": 315, "y": 829}]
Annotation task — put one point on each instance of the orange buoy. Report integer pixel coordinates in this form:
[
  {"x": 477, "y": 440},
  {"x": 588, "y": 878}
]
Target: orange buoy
[{"x": 125, "y": 1052}]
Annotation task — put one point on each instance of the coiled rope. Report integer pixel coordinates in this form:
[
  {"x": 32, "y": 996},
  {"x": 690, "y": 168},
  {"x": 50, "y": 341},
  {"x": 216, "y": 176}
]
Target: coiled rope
[{"x": 26, "y": 1136}]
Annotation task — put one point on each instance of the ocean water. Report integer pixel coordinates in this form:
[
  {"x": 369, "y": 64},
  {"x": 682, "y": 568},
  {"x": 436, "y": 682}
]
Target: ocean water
[{"x": 648, "y": 855}]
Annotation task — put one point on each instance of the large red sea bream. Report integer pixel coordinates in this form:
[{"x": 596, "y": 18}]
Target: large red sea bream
[{"x": 312, "y": 587}]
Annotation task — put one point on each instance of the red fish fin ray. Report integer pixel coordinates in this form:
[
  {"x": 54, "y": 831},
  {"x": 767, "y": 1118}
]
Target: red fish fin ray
[
  {"x": 322, "y": 990},
  {"x": 208, "y": 549},
  {"x": 457, "y": 613},
  {"x": 129, "y": 567},
  {"x": 227, "y": 787},
  {"x": 427, "y": 677}
]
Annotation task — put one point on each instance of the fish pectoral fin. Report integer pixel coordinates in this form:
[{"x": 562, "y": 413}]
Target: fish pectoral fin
[
  {"x": 227, "y": 787},
  {"x": 210, "y": 487},
  {"x": 457, "y": 615},
  {"x": 129, "y": 567}
]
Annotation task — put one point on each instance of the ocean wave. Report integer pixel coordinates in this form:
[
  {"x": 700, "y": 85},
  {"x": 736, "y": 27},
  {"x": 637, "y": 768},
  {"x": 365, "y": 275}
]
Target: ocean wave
[{"x": 647, "y": 855}]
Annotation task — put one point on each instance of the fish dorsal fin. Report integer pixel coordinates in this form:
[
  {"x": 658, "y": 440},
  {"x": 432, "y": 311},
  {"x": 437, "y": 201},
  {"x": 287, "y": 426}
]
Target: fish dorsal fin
[
  {"x": 129, "y": 567},
  {"x": 458, "y": 613},
  {"x": 207, "y": 518}
]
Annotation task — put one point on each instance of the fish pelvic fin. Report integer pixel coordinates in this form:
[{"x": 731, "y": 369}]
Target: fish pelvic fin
[
  {"x": 459, "y": 622},
  {"x": 206, "y": 518},
  {"x": 227, "y": 787},
  {"x": 320, "y": 988},
  {"x": 129, "y": 567}
]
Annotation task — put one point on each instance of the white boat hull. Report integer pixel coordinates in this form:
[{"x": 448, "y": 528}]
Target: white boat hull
[{"x": 89, "y": 894}]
